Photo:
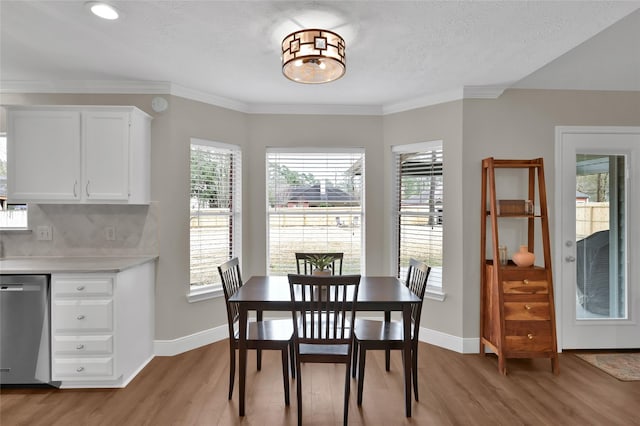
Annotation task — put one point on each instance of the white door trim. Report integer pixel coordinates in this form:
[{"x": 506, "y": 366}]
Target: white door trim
[{"x": 560, "y": 131}]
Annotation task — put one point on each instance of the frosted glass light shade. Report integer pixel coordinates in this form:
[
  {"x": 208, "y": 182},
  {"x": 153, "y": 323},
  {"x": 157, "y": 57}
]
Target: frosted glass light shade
[{"x": 313, "y": 56}]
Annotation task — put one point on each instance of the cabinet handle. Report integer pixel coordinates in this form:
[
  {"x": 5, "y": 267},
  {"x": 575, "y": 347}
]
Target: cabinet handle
[
  {"x": 525, "y": 282},
  {"x": 80, "y": 288},
  {"x": 80, "y": 317},
  {"x": 81, "y": 346},
  {"x": 87, "y": 188},
  {"x": 527, "y": 307},
  {"x": 530, "y": 336},
  {"x": 80, "y": 369},
  {"x": 75, "y": 185}
]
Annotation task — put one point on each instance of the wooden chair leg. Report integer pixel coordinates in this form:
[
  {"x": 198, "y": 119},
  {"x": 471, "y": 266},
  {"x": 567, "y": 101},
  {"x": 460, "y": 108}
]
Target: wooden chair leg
[
  {"x": 232, "y": 369},
  {"x": 361, "y": 363},
  {"x": 414, "y": 371},
  {"x": 299, "y": 391},
  {"x": 387, "y": 359},
  {"x": 347, "y": 391},
  {"x": 354, "y": 358},
  {"x": 292, "y": 356},
  {"x": 285, "y": 374}
]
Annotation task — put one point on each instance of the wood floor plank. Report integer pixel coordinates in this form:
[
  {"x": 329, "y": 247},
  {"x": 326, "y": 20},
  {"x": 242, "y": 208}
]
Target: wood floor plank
[{"x": 455, "y": 389}]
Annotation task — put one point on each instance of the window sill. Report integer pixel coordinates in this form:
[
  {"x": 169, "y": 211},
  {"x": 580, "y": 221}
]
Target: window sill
[
  {"x": 16, "y": 230},
  {"x": 205, "y": 293},
  {"x": 435, "y": 293}
]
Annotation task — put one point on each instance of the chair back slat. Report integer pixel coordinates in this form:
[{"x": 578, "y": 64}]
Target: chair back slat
[
  {"x": 416, "y": 281},
  {"x": 231, "y": 281},
  {"x": 304, "y": 264},
  {"x": 324, "y": 306}
]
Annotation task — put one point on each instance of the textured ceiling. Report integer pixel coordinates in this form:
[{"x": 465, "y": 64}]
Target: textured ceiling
[{"x": 398, "y": 52}]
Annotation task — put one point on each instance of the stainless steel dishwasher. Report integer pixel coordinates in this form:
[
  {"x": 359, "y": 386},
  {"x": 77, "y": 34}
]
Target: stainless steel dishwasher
[{"x": 25, "y": 346}]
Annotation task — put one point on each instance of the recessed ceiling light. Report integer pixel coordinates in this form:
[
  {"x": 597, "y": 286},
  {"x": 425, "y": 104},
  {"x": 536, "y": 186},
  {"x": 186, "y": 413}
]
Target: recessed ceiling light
[{"x": 103, "y": 10}]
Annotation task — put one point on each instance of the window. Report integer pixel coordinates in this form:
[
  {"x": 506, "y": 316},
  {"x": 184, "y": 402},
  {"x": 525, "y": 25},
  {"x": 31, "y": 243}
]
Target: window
[
  {"x": 215, "y": 225},
  {"x": 419, "y": 192},
  {"x": 315, "y": 204},
  {"x": 12, "y": 216}
]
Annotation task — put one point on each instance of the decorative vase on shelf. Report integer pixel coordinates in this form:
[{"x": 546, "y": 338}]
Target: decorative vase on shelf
[{"x": 523, "y": 257}]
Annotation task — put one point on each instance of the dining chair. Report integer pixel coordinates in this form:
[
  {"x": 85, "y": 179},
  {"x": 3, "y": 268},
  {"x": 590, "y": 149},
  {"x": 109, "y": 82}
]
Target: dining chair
[
  {"x": 388, "y": 335},
  {"x": 305, "y": 262},
  {"x": 323, "y": 307},
  {"x": 267, "y": 334}
]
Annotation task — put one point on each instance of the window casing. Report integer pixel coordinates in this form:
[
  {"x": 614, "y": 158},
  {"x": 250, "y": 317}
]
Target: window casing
[
  {"x": 419, "y": 196},
  {"x": 215, "y": 206},
  {"x": 315, "y": 203}
]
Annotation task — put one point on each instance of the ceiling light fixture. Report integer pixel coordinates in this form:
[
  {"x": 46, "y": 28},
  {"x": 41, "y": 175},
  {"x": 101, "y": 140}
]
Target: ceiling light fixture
[
  {"x": 103, "y": 10},
  {"x": 313, "y": 56}
]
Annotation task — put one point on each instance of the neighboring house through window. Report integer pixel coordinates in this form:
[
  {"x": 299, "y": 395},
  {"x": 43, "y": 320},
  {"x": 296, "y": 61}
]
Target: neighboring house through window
[
  {"x": 215, "y": 219},
  {"x": 12, "y": 216},
  {"x": 315, "y": 203},
  {"x": 419, "y": 192}
]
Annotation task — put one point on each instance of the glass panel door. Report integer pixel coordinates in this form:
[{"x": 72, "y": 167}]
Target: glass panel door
[{"x": 601, "y": 285}]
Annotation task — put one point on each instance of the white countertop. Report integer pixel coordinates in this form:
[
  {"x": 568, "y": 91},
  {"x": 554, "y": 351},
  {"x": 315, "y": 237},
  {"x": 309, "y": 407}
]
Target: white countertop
[{"x": 51, "y": 265}]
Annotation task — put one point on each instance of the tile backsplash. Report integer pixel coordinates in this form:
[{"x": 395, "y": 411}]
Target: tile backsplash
[{"x": 82, "y": 230}]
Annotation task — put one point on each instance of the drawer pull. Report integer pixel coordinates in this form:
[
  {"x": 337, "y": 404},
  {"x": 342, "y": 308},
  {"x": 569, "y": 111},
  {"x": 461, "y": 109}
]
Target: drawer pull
[
  {"x": 527, "y": 307},
  {"x": 80, "y": 288},
  {"x": 530, "y": 336},
  {"x": 80, "y": 317},
  {"x": 80, "y": 369},
  {"x": 525, "y": 282},
  {"x": 80, "y": 346}
]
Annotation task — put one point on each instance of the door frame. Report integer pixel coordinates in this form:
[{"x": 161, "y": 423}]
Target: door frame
[{"x": 558, "y": 239}]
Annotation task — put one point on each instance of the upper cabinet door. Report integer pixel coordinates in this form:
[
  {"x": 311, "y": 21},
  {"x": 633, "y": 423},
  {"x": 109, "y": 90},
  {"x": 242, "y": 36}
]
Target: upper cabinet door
[
  {"x": 105, "y": 155},
  {"x": 44, "y": 155}
]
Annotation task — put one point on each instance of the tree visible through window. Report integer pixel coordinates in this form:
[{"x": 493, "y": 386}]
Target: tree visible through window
[
  {"x": 419, "y": 206},
  {"x": 215, "y": 209},
  {"x": 315, "y": 204},
  {"x": 11, "y": 215}
]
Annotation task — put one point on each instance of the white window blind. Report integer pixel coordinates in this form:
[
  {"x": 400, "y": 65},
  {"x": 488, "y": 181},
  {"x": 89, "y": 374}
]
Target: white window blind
[
  {"x": 314, "y": 204},
  {"x": 215, "y": 231},
  {"x": 419, "y": 206}
]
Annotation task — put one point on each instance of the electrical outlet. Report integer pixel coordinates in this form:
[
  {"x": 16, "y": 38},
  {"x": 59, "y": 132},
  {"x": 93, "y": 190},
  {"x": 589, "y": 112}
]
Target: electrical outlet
[
  {"x": 44, "y": 233},
  {"x": 110, "y": 233}
]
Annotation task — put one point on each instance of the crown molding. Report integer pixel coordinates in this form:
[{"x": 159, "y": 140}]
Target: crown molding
[
  {"x": 163, "y": 88},
  {"x": 483, "y": 92},
  {"x": 423, "y": 101}
]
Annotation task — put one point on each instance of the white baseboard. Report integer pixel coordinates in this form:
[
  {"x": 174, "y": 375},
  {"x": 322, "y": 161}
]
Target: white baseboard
[
  {"x": 205, "y": 337},
  {"x": 192, "y": 341}
]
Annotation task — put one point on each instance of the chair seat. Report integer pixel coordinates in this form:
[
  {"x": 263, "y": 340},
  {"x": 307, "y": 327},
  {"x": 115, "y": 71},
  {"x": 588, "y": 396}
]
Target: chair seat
[
  {"x": 273, "y": 330},
  {"x": 374, "y": 330}
]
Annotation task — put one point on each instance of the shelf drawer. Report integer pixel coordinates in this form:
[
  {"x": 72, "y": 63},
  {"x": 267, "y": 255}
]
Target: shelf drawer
[
  {"x": 528, "y": 336},
  {"x": 83, "y": 315},
  {"x": 80, "y": 287},
  {"x": 78, "y": 345},
  {"x": 525, "y": 287},
  {"x": 532, "y": 311},
  {"x": 88, "y": 368}
]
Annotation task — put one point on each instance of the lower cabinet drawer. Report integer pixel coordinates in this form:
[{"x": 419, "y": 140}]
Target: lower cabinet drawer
[
  {"x": 79, "y": 368},
  {"x": 78, "y": 345},
  {"x": 538, "y": 311},
  {"x": 528, "y": 336},
  {"x": 83, "y": 315}
]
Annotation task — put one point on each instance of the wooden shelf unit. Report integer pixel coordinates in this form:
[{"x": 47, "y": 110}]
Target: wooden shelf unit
[{"x": 517, "y": 313}]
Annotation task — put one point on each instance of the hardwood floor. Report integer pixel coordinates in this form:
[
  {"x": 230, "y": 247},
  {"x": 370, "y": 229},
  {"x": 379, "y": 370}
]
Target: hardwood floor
[{"x": 455, "y": 389}]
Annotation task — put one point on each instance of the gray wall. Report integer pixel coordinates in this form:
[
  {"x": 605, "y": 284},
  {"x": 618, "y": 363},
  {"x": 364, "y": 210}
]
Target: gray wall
[{"x": 519, "y": 124}]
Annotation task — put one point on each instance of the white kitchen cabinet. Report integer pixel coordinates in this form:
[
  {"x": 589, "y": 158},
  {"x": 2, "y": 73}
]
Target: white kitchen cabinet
[
  {"x": 102, "y": 326},
  {"x": 73, "y": 154}
]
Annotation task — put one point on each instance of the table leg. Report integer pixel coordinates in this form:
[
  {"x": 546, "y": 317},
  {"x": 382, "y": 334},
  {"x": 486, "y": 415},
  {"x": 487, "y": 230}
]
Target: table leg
[
  {"x": 406, "y": 353},
  {"x": 242, "y": 349}
]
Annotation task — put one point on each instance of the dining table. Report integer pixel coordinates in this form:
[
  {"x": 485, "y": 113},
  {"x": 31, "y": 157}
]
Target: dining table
[{"x": 375, "y": 293}]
